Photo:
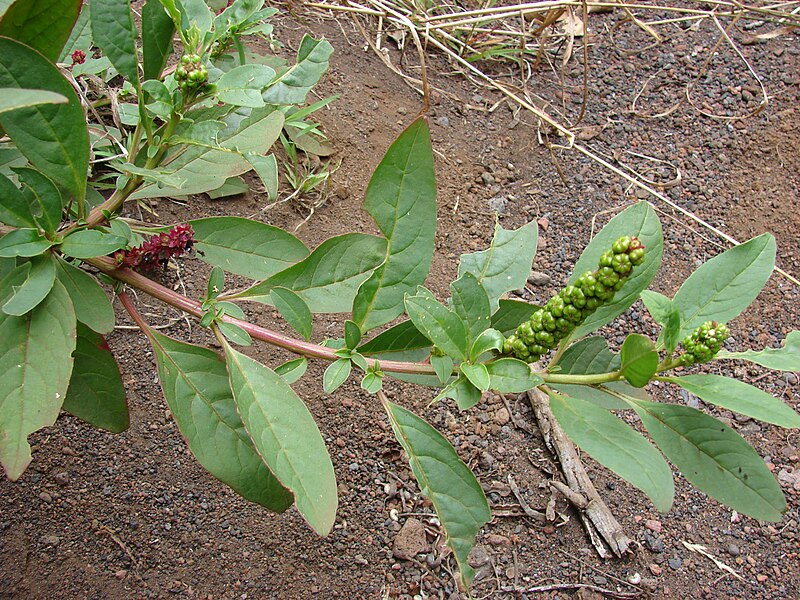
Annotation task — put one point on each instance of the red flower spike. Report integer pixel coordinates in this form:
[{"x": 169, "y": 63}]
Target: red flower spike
[
  {"x": 158, "y": 249},
  {"x": 78, "y": 57}
]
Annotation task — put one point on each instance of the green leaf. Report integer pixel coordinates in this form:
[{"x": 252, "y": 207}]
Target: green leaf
[
  {"x": 114, "y": 33},
  {"x": 235, "y": 15},
  {"x": 443, "y": 365},
  {"x": 195, "y": 13},
  {"x": 328, "y": 278},
  {"x": 477, "y": 375},
  {"x": 23, "y": 242},
  {"x": 441, "y": 326},
  {"x": 639, "y": 220},
  {"x": 235, "y": 333},
  {"x": 665, "y": 314},
  {"x": 242, "y": 85},
  {"x": 44, "y": 25},
  {"x": 506, "y": 264},
  {"x": 293, "y": 310},
  {"x": 786, "y": 358},
  {"x": 53, "y": 137},
  {"x": 14, "y": 98},
  {"x": 43, "y": 197},
  {"x": 157, "y": 31},
  {"x": 205, "y": 166},
  {"x": 231, "y": 309},
  {"x": 488, "y": 340},
  {"x": 292, "y": 370},
  {"x": 616, "y": 446},
  {"x": 725, "y": 285},
  {"x": 371, "y": 383},
  {"x": 96, "y": 394},
  {"x": 88, "y": 243},
  {"x": 216, "y": 282},
  {"x": 336, "y": 374},
  {"x": 445, "y": 480},
  {"x": 511, "y": 314},
  {"x": 714, "y": 458},
  {"x": 740, "y": 397},
  {"x": 35, "y": 288},
  {"x": 232, "y": 186},
  {"x": 92, "y": 306},
  {"x": 352, "y": 335},
  {"x": 511, "y": 376},
  {"x": 15, "y": 209},
  {"x": 246, "y": 247},
  {"x": 266, "y": 167},
  {"x": 80, "y": 38},
  {"x": 401, "y": 198},
  {"x": 36, "y": 362},
  {"x": 606, "y": 396},
  {"x": 286, "y": 436},
  {"x": 398, "y": 338},
  {"x": 589, "y": 356},
  {"x": 471, "y": 304},
  {"x": 639, "y": 359},
  {"x": 293, "y": 86},
  {"x": 462, "y": 391},
  {"x": 195, "y": 385}
]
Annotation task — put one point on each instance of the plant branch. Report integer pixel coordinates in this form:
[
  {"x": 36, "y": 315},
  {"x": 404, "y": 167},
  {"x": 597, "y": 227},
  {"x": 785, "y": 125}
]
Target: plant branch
[{"x": 592, "y": 379}]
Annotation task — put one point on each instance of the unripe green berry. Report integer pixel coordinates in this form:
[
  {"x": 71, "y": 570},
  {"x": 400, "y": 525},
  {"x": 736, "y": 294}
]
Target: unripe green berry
[
  {"x": 637, "y": 256},
  {"x": 606, "y": 258},
  {"x": 621, "y": 245},
  {"x": 621, "y": 264}
]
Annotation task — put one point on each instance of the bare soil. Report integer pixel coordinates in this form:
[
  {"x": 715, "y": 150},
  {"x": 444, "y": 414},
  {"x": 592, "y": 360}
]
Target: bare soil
[{"x": 134, "y": 516}]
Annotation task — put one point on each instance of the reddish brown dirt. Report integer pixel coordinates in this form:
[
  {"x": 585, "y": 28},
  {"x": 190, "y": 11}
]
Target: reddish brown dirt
[{"x": 134, "y": 516}]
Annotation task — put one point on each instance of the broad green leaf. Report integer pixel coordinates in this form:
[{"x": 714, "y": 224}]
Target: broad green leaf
[
  {"x": 616, "y": 446},
  {"x": 205, "y": 166},
  {"x": 216, "y": 282},
  {"x": 462, "y": 391},
  {"x": 506, "y": 264},
  {"x": 157, "y": 98},
  {"x": 445, "y": 480},
  {"x": 665, "y": 314},
  {"x": 606, "y": 396},
  {"x": 235, "y": 15},
  {"x": 714, "y": 458},
  {"x": 440, "y": 325},
  {"x": 725, "y": 285},
  {"x": 511, "y": 376},
  {"x": 293, "y": 310},
  {"x": 36, "y": 362},
  {"x": 293, "y": 86},
  {"x": 328, "y": 278},
  {"x": 195, "y": 385},
  {"x": 292, "y": 370},
  {"x": 43, "y": 197},
  {"x": 477, "y": 375},
  {"x": 488, "y": 340},
  {"x": 266, "y": 167},
  {"x": 246, "y": 247},
  {"x": 15, "y": 208},
  {"x": 92, "y": 306},
  {"x": 740, "y": 397},
  {"x": 54, "y": 137},
  {"x": 195, "y": 13},
  {"x": 88, "y": 243},
  {"x": 231, "y": 309},
  {"x": 639, "y": 220},
  {"x": 95, "y": 392},
  {"x": 80, "y": 38},
  {"x": 401, "y": 198},
  {"x": 639, "y": 360},
  {"x": 786, "y": 358},
  {"x": 37, "y": 285},
  {"x": 23, "y": 242},
  {"x": 352, "y": 335},
  {"x": 286, "y": 436},
  {"x": 14, "y": 98},
  {"x": 157, "y": 31},
  {"x": 232, "y": 187},
  {"x": 336, "y": 374},
  {"x": 398, "y": 338},
  {"x": 235, "y": 334},
  {"x": 242, "y": 85},
  {"x": 114, "y": 32},
  {"x": 44, "y": 25},
  {"x": 443, "y": 365},
  {"x": 511, "y": 314},
  {"x": 471, "y": 304},
  {"x": 371, "y": 383},
  {"x": 589, "y": 356}
]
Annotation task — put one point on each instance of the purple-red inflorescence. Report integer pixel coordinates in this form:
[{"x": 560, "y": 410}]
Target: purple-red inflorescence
[
  {"x": 78, "y": 57},
  {"x": 158, "y": 249}
]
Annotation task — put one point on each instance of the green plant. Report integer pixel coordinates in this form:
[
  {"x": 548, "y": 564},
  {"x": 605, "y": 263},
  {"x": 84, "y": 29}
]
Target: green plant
[{"x": 241, "y": 418}]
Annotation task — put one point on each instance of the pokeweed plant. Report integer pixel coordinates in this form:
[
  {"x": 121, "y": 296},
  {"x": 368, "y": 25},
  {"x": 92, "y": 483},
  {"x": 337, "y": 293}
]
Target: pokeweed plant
[{"x": 241, "y": 418}]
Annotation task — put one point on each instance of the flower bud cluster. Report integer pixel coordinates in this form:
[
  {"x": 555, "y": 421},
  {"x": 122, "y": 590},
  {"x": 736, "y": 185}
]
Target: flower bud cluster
[
  {"x": 567, "y": 309},
  {"x": 703, "y": 343},
  {"x": 191, "y": 73},
  {"x": 158, "y": 249}
]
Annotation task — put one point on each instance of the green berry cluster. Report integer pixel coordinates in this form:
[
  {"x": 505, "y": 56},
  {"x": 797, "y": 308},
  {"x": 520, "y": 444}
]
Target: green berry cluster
[
  {"x": 191, "y": 73},
  {"x": 564, "y": 311},
  {"x": 703, "y": 343}
]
